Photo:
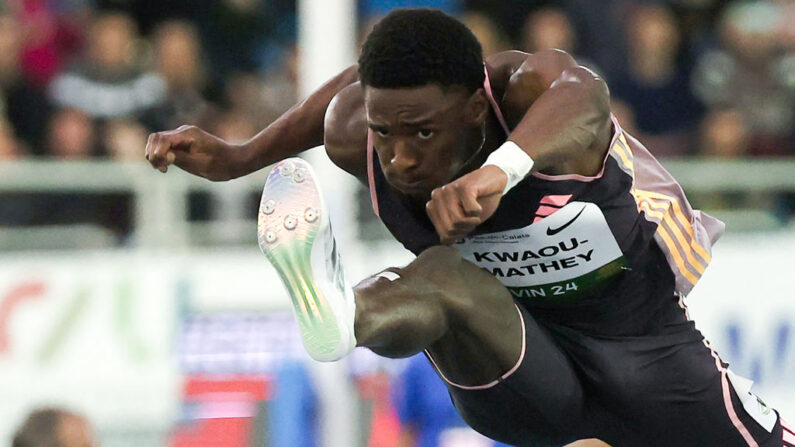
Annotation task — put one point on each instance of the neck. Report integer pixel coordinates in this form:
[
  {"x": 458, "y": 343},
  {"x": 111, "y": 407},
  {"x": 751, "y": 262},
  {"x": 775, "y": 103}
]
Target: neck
[{"x": 476, "y": 136}]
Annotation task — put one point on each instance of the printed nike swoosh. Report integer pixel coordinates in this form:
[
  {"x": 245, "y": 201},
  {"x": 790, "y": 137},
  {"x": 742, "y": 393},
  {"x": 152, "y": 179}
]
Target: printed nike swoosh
[{"x": 551, "y": 232}]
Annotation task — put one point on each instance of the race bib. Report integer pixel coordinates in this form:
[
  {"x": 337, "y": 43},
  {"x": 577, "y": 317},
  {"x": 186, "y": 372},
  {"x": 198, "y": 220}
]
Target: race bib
[{"x": 564, "y": 255}]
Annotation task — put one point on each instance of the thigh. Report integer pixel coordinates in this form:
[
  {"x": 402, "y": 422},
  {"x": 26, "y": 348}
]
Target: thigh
[
  {"x": 538, "y": 402},
  {"x": 484, "y": 338},
  {"x": 673, "y": 390}
]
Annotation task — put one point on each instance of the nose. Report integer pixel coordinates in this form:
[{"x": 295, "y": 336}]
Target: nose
[{"x": 404, "y": 157}]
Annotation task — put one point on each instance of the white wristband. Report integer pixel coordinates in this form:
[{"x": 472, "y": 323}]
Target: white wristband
[{"x": 513, "y": 161}]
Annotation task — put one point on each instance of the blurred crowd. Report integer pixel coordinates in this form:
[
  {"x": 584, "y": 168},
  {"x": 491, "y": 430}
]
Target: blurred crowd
[
  {"x": 91, "y": 78},
  {"x": 85, "y": 79}
]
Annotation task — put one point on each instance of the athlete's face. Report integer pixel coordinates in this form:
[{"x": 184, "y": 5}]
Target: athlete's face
[{"x": 424, "y": 135}]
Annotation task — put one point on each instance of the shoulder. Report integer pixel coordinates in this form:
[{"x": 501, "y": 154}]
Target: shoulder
[
  {"x": 535, "y": 73},
  {"x": 345, "y": 131},
  {"x": 513, "y": 66},
  {"x": 503, "y": 64}
]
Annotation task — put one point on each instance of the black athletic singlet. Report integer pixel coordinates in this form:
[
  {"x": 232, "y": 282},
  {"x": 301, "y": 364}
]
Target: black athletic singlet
[{"x": 594, "y": 253}]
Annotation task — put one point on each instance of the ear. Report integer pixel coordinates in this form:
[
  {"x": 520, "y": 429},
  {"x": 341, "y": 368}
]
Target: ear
[{"x": 477, "y": 108}]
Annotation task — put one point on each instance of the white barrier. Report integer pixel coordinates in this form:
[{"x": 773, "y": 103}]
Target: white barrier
[
  {"x": 745, "y": 306},
  {"x": 96, "y": 330}
]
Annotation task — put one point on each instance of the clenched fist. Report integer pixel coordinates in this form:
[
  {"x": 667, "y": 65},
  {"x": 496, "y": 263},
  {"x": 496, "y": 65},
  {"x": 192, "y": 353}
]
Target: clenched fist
[
  {"x": 459, "y": 206},
  {"x": 195, "y": 151}
]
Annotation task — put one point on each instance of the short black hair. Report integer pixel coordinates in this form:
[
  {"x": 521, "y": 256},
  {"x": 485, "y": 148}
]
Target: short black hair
[
  {"x": 421, "y": 46},
  {"x": 40, "y": 429}
]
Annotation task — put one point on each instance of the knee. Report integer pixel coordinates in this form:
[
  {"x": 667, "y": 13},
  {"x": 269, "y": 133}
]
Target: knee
[
  {"x": 396, "y": 318},
  {"x": 438, "y": 262}
]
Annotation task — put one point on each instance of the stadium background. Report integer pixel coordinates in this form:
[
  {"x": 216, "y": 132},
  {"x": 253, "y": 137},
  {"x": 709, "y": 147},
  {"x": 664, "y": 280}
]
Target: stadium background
[{"x": 141, "y": 300}]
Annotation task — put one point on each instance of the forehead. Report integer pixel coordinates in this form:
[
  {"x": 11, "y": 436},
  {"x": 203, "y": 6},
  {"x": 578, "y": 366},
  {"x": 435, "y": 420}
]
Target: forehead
[{"x": 426, "y": 102}]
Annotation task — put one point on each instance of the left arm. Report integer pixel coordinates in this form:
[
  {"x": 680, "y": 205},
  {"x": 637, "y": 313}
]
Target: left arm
[{"x": 560, "y": 116}]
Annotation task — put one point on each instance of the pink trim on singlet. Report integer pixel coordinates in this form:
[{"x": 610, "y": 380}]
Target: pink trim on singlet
[
  {"x": 370, "y": 173},
  {"x": 490, "y": 95},
  {"x": 617, "y": 131},
  {"x": 502, "y": 377},
  {"x": 558, "y": 200}
]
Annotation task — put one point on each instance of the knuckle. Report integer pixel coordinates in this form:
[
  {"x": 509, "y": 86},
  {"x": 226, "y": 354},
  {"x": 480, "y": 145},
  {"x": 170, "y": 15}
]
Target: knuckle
[{"x": 190, "y": 131}]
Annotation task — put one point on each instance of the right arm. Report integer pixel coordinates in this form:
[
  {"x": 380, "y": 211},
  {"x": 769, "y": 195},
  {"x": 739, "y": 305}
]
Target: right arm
[{"x": 205, "y": 155}]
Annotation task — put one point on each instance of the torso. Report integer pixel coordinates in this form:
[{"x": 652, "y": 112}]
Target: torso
[
  {"x": 591, "y": 252},
  {"x": 579, "y": 251}
]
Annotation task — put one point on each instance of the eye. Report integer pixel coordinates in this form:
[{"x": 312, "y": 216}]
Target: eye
[
  {"x": 425, "y": 134},
  {"x": 382, "y": 132}
]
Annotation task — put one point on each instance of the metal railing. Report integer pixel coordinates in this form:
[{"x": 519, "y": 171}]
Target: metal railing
[{"x": 161, "y": 201}]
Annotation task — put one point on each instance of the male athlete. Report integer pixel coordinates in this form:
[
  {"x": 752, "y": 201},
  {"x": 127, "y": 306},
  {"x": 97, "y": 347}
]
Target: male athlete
[{"x": 553, "y": 251}]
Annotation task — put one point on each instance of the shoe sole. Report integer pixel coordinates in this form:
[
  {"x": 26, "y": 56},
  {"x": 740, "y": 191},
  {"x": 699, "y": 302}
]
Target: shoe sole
[{"x": 291, "y": 216}]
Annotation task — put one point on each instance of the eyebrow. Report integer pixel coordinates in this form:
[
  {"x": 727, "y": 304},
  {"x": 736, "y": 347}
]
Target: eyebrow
[
  {"x": 419, "y": 122},
  {"x": 415, "y": 123}
]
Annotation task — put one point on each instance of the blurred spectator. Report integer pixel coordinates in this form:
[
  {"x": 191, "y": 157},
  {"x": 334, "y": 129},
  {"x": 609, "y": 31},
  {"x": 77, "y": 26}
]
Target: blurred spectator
[
  {"x": 754, "y": 73},
  {"x": 71, "y": 135},
  {"x": 697, "y": 20},
  {"x": 626, "y": 117},
  {"x": 509, "y": 15},
  {"x": 724, "y": 134},
  {"x": 656, "y": 83},
  {"x": 26, "y": 106},
  {"x": 15, "y": 209},
  {"x": 235, "y": 126},
  {"x": 600, "y": 29},
  {"x": 179, "y": 61},
  {"x": 551, "y": 27},
  {"x": 107, "y": 82},
  {"x": 548, "y": 28},
  {"x": 263, "y": 99},
  {"x": 124, "y": 140},
  {"x": 10, "y": 148},
  {"x": 10, "y": 41},
  {"x": 247, "y": 34},
  {"x": 487, "y": 32},
  {"x": 54, "y": 427},
  {"x": 48, "y": 39},
  {"x": 280, "y": 86}
]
